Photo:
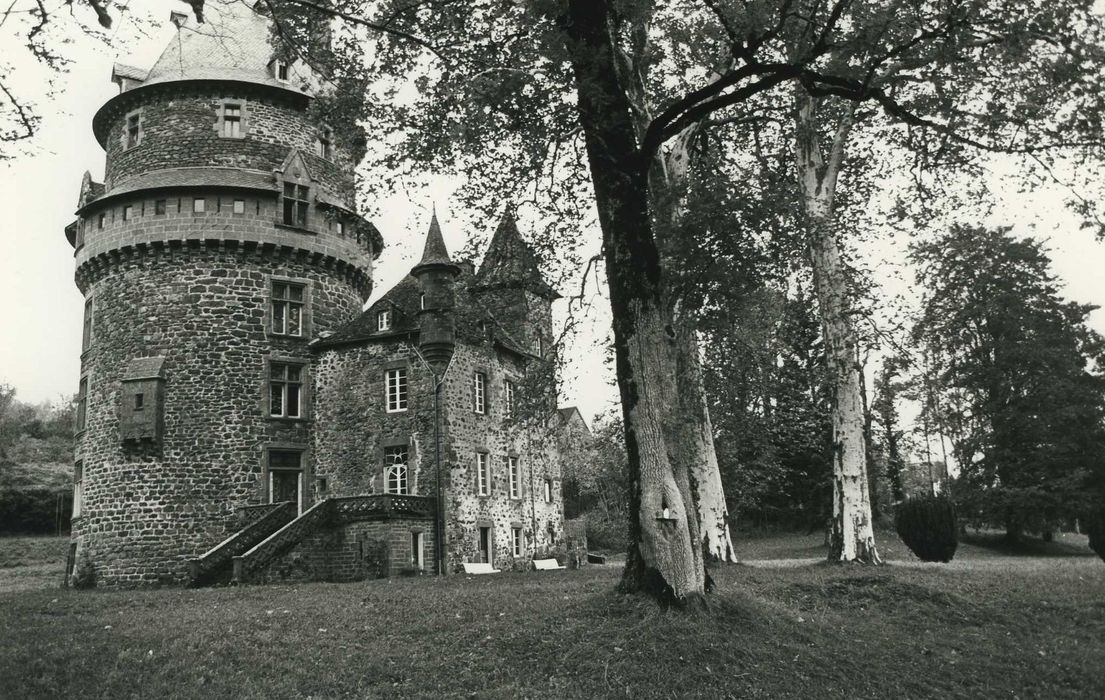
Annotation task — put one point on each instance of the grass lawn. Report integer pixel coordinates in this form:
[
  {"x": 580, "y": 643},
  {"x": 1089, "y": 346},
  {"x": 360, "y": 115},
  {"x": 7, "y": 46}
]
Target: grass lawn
[{"x": 989, "y": 625}]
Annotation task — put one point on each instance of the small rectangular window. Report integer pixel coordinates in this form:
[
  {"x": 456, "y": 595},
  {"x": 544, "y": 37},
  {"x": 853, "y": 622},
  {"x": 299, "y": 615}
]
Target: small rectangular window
[
  {"x": 515, "y": 474},
  {"x": 232, "y": 120},
  {"x": 285, "y": 390},
  {"x": 100, "y": 222},
  {"x": 281, "y": 71},
  {"x": 288, "y": 300},
  {"x": 296, "y": 202},
  {"x": 383, "y": 320},
  {"x": 418, "y": 559},
  {"x": 159, "y": 207},
  {"x": 483, "y": 474},
  {"x": 82, "y": 404},
  {"x": 508, "y": 400},
  {"x": 239, "y": 206},
  {"x": 199, "y": 205},
  {"x": 396, "y": 390},
  {"x": 339, "y": 226},
  {"x": 139, "y": 401},
  {"x": 517, "y": 544},
  {"x": 395, "y": 469},
  {"x": 78, "y": 487},
  {"x": 128, "y": 211},
  {"x": 86, "y": 335},
  {"x": 134, "y": 130},
  {"x": 479, "y": 392}
]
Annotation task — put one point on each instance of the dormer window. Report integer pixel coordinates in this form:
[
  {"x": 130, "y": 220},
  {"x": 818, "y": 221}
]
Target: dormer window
[
  {"x": 296, "y": 202},
  {"x": 383, "y": 320},
  {"x": 326, "y": 143},
  {"x": 280, "y": 70}
]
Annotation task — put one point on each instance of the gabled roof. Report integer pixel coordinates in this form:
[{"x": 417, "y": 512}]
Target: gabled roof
[
  {"x": 511, "y": 262},
  {"x": 571, "y": 414}
]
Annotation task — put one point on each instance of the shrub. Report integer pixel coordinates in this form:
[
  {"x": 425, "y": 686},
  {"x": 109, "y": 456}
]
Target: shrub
[
  {"x": 928, "y": 527},
  {"x": 1095, "y": 528}
]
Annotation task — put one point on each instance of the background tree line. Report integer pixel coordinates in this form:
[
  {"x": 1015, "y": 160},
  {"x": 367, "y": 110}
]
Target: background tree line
[{"x": 36, "y": 465}]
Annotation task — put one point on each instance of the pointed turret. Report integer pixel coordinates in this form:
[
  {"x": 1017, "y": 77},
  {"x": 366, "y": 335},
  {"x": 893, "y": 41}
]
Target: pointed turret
[
  {"x": 511, "y": 262},
  {"x": 509, "y": 284},
  {"x": 436, "y": 273}
]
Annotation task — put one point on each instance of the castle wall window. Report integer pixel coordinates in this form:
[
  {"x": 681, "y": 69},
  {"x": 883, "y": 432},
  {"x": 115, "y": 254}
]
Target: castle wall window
[
  {"x": 101, "y": 221},
  {"x": 339, "y": 226},
  {"x": 396, "y": 390},
  {"x": 199, "y": 205},
  {"x": 483, "y": 474},
  {"x": 285, "y": 390},
  {"x": 133, "y": 135},
  {"x": 326, "y": 143},
  {"x": 239, "y": 206},
  {"x": 287, "y": 304},
  {"x": 280, "y": 71},
  {"x": 479, "y": 392},
  {"x": 285, "y": 477},
  {"x": 128, "y": 212},
  {"x": 231, "y": 121},
  {"x": 78, "y": 487},
  {"x": 82, "y": 404},
  {"x": 395, "y": 463},
  {"x": 86, "y": 334},
  {"x": 517, "y": 543},
  {"x": 508, "y": 399},
  {"x": 159, "y": 207},
  {"x": 548, "y": 490},
  {"x": 383, "y": 320},
  {"x": 296, "y": 203},
  {"x": 515, "y": 474}
]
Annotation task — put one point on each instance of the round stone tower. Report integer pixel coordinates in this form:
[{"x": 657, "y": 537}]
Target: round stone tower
[{"x": 223, "y": 239}]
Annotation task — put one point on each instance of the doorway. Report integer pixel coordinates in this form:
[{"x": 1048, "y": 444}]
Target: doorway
[{"x": 485, "y": 546}]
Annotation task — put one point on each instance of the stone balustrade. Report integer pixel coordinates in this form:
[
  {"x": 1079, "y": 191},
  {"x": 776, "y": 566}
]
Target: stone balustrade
[{"x": 263, "y": 522}]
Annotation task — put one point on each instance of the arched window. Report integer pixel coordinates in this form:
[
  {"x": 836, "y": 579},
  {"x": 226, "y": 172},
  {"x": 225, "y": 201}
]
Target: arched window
[{"x": 395, "y": 464}]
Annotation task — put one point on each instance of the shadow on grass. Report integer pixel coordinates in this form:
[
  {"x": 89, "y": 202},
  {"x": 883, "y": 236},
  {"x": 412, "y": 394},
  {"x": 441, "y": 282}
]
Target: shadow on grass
[{"x": 1068, "y": 545}]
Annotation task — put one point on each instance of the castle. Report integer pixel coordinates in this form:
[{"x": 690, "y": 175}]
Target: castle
[{"x": 241, "y": 416}]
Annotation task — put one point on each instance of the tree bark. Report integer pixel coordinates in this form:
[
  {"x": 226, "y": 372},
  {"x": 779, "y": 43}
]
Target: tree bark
[
  {"x": 664, "y": 557},
  {"x": 851, "y": 536}
]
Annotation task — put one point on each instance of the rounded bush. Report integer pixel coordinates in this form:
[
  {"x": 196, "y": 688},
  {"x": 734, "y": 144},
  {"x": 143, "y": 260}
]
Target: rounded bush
[
  {"x": 929, "y": 527},
  {"x": 1095, "y": 528}
]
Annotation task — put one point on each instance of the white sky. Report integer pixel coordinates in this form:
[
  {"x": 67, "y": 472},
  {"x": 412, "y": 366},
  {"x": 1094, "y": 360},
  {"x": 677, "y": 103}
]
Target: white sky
[{"x": 40, "y": 307}]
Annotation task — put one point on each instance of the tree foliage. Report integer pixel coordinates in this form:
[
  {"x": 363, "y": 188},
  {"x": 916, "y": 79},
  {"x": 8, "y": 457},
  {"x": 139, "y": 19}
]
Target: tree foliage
[{"x": 1021, "y": 373}]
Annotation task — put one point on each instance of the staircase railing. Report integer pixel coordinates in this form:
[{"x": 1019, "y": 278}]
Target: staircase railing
[
  {"x": 218, "y": 559},
  {"x": 263, "y": 553}
]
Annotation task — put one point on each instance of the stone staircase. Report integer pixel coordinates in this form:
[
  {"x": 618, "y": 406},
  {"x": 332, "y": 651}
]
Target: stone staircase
[
  {"x": 328, "y": 513},
  {"x": 215, "y": 565}
]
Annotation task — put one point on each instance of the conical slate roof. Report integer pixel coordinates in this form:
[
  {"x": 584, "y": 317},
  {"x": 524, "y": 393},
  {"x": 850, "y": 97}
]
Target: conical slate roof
[
  {"x": 511, "y": 262},
  {"x": 435, "y": 252},
  {"x": 232, "y": 43}
]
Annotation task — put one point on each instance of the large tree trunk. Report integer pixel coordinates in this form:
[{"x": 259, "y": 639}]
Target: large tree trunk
[
  {"x": 851, "y": 536},
  {"x": 664, "y": 557}
]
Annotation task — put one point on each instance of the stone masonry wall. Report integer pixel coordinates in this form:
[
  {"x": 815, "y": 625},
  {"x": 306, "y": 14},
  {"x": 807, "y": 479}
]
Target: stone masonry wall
[
  {"x": 219, "y": 223},
  {"x": 352, "y": 428},
  {"x": 147, "y": 508},
  {"x": 355, "y": 552},
  {"x": 179, "y": 129}
]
